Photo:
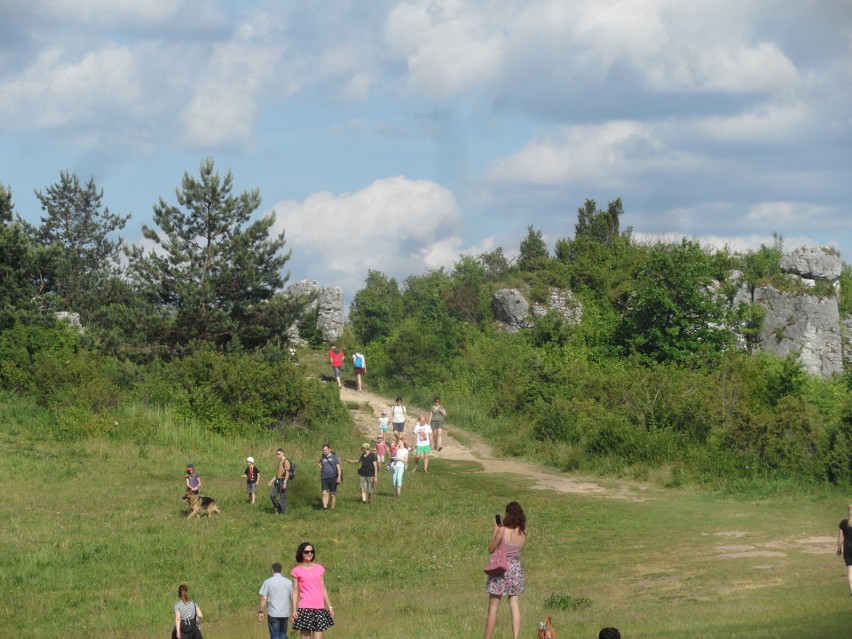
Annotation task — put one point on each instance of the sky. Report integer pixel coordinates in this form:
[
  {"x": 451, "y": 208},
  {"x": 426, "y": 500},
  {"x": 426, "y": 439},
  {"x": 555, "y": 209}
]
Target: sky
[{"x": 397, "y": 135}]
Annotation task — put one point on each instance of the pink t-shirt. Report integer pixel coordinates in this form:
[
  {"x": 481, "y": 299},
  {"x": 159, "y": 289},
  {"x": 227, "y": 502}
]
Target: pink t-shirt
[{"x": 310, "y": 586}]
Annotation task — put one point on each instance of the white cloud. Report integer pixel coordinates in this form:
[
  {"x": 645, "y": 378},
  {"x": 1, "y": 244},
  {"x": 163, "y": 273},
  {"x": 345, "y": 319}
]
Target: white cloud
[
  {"x": 594, "y": 155},
  {"x": 394, "y": 225},
  {"x": 449, "y": 46}
]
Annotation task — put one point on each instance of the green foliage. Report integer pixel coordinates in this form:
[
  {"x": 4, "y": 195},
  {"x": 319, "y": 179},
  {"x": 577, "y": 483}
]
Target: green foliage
[
  {"x": 672, "y": 315},
  {"x": 844, "y": 299},
  {"x": 376, "y": 308},
  {"x": 214, "y": 269},
  {"x": 80, "y": 228},
  {"x": 763, "y": 265},
  {"x": 532, "y": 250}
]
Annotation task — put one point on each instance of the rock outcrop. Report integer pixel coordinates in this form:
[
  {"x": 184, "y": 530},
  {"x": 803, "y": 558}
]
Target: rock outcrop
[
  {"x": 564, "y": 303},
  {"x": 510, "y": 308},
  {"x": 806, "y": 325},
  {"x": 327, "y": 304},
  {"x": 810, "y": 264}
]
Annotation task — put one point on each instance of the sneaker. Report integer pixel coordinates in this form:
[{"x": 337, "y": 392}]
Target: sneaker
[
  {"x": 414, "y": 471},
  {"x": 440, "y": 449}
]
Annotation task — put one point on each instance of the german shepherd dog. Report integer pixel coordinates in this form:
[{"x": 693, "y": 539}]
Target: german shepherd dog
[
  {"x": 545, "y": 630},
  {"x": 200, "y": 505}
]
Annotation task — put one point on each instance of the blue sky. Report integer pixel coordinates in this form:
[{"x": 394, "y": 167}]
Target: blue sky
[{"x": 397, "y": 135}]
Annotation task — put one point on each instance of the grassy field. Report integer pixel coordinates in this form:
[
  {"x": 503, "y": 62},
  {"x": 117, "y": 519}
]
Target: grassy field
[{"x": 95, "y": 542}]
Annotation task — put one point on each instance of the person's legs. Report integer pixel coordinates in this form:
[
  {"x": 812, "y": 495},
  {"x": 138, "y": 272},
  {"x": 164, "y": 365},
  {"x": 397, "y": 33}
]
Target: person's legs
[
  {"x": 849, "y": 575},
  {"x": 333, "y": 500},
  {"x": 358, "y": 377},
  {"x": 425, "y": 462},
  {"x": 491, "y": 617},
  {"x": 274, "y": 496},
  {"x": 515, "y": 607},
  {"x": 438, "y": 435},
  {"x": 277, "y": 627},
  {"x": 324, "y": 503},
  {"x": 283, "y": 499}
]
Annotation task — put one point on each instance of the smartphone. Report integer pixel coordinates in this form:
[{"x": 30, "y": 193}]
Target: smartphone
[{"x": 497, "y": 520}]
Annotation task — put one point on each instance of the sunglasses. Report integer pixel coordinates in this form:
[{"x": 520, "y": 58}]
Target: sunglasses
[{"x": 308, "y": 552}]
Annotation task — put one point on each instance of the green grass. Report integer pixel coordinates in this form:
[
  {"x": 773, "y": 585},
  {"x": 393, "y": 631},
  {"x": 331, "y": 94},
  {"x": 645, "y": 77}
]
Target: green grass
[{"x": 95, "y": 542}]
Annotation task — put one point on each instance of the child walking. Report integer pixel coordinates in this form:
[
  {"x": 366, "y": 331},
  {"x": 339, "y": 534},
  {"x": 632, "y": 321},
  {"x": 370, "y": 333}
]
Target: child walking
[{"x": 381, "y": 449}]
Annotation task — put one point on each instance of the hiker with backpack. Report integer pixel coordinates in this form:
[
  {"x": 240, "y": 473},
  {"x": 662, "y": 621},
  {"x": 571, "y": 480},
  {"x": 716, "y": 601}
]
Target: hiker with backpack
[
  {"x": 330, "y": 476},
  {"x": 281, "y": 481},
  {"x": 359, "y": 363}
]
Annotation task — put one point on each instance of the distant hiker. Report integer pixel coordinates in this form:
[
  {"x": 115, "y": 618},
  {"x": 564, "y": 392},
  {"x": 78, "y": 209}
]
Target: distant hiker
[
  {"x": 381, "y": 449},
  {"x": 280, "y": 483},
  {"x": 359, "y": 363},
  {"x": 330, "y": 476},
  {"x": 383, "y": 424},
  {"x": 422, "y": 447},
  {"x": 193, "y": 480},
  {"x": 251, "y": 473},
  {"x": 399, "y": 459},
  {"x": 368, "y": 472},
  {"x": 398, "y": 417},
  {"x": 436, "y": 421},
  {"x": 336, "y": 357}
]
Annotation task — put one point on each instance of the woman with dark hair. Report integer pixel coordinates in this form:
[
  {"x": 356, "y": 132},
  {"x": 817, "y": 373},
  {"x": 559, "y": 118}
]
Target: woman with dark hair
[
  {"x": 312, "y": 611},
  {"x": 187, "y": 615},
  {"x": 513, "y": 533},
  {"x": 844, "y": 545}
]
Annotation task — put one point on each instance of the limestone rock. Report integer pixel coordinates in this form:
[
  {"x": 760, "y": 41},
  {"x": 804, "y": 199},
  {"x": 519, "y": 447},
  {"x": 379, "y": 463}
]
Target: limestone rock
[
  {"x": 806, "y": 325},
  {"x": 327, "y": 304},
  {"x": 72, "y": 319},
  {"x": 812, "y": 263},
  {"x": 510, "y": 307},
  {"x": 563, "y": 302}
]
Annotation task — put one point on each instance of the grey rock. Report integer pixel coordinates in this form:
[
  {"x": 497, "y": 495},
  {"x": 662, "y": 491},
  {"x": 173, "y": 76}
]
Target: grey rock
[
  {"x": 563, "y": 302},
  {"x": 510, "y": 307},
  {"x": 812, "y": 263},
  {"x": 327, "y": 303},
  {"x": 846, "y": 331},
  {"x": 805, "y": 325}
]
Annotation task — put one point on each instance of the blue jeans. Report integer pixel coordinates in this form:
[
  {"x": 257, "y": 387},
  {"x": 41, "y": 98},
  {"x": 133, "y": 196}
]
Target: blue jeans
[{"x": 277, "y": 627}]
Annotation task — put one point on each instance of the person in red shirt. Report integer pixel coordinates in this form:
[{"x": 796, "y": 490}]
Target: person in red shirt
[{"x": 336, "y": 356}]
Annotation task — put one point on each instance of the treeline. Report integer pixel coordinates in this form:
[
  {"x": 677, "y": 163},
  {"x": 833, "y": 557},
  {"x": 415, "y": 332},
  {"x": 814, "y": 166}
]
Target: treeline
[
  {"x": 192, "y": 321},
  {"x": 660, "y": 373}
]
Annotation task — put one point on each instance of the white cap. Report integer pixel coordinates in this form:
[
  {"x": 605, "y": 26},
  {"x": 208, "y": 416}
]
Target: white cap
[{"x": 250, "y": 460}]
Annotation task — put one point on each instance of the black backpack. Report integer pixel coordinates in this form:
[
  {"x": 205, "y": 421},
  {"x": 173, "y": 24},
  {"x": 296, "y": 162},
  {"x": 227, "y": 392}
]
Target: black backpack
[{"x": 292, "y": 469}]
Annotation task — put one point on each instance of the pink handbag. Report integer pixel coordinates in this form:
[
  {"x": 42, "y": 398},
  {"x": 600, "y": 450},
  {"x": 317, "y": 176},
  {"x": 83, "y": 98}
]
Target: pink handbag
[{"x": 498, "y": 564}]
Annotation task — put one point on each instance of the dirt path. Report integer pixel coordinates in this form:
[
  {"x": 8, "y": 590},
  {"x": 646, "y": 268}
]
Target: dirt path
[{"x": 480, "y": 452}]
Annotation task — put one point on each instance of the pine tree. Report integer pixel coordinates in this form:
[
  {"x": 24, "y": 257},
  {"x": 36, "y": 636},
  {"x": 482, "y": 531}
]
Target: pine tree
[{"x": 215, "y": 274}]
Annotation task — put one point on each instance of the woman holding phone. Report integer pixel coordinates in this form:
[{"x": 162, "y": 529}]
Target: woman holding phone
[{"x": 512, "y": 531}]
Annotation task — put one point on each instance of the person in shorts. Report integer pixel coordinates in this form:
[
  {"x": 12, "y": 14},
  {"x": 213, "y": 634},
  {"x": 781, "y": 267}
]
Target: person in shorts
[
  {"x": 422, "y": 443},
  {"x": 330, "y": 476},
  {"x": 368, "y": 472},
  {"x": 336, "y": 357},
  {"x": 398, "y": 416},
  {"x": 251, "y": 473}
]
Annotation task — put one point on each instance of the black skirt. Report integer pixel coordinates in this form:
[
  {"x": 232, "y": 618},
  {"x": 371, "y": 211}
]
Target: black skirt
[{"x": 317, "y": 619}]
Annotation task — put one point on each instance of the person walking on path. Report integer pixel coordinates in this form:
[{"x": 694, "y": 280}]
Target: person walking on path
[
  {"x": 398, "y": 417},
  {"x": 312, "y": 609},
  {"x": 279, "y": 483},
  {"x": 368, "y": 472},
  {"x": 512, "y": 532},
  {"x": 844, "y": 545},
  {"x": 275, "y": 595},
  {"x": 330, "y": 476},
  {"x": 359, "y": 364},
  {"x": 187, "y": 616},
  {"x": 436, "y": 420},
  {"x": 336, "y": 357},
  {"x": 422, "y": 447},
  {"x": 251, "y": 473},
  {"x": 398, "y": 461}
]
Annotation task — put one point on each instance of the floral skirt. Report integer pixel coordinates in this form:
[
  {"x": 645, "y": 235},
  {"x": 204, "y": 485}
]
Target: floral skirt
[
  {"x": 313, "y": 619},
  {"x": 510, "y": 582}
]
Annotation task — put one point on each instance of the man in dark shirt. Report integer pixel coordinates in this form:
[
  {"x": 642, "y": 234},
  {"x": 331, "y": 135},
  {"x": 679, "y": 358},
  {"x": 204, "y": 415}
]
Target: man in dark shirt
[{"x": 368, "y": 472}]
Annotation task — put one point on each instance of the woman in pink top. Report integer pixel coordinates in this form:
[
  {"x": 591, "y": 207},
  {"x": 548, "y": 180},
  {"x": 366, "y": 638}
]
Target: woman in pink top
[
  {"x": 513, "y": 533},
  {"x": 312, "y": 611}
]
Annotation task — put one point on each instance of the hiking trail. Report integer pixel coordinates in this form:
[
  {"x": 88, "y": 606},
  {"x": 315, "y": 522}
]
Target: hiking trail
[{"x": 480, "y": 452}]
